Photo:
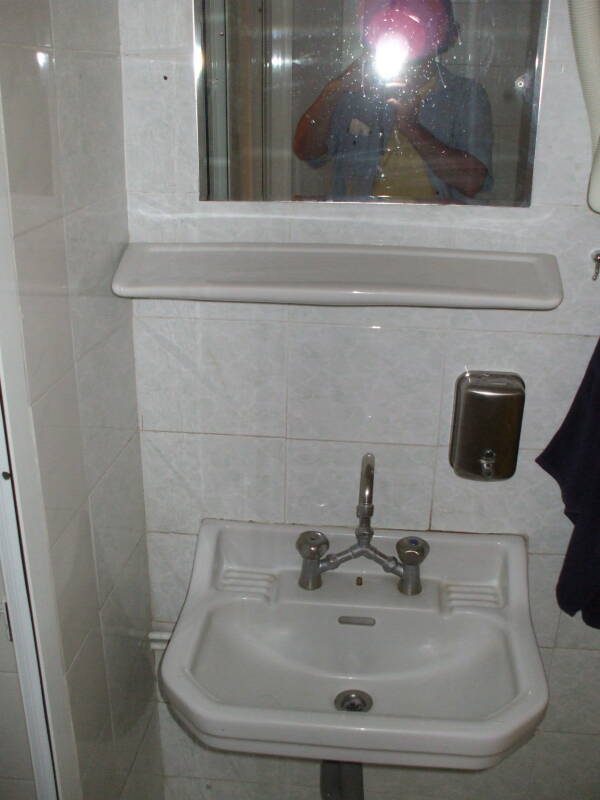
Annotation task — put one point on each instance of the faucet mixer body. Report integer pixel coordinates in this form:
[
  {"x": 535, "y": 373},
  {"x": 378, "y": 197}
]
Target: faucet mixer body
[{"x": 312, "y": 545}]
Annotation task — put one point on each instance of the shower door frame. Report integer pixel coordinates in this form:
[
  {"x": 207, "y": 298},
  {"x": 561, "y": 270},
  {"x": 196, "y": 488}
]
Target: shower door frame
[{"x": 21, "y": 626}]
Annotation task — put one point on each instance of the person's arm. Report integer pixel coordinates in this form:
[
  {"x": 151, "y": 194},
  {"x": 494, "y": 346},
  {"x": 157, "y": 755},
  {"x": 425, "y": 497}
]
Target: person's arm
[
  {"x": 312, "y": 131},
  {"x": 455, "y": 167}
]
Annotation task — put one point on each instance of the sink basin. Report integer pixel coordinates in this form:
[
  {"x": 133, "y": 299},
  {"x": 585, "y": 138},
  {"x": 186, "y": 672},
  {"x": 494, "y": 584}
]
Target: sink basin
[{"x": 255, "y": 662}]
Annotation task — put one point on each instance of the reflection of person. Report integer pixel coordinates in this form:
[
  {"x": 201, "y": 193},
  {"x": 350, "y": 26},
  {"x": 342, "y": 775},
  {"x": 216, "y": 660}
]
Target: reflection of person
[{"x": 396, "y": 124}]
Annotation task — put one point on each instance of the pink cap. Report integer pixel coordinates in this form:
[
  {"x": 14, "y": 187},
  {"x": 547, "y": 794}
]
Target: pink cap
[{"x": 424, "y": 25}]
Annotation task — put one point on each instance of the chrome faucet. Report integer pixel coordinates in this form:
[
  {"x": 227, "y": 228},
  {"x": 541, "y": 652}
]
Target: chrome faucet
[
  {"x": 365, "y": 508},
  {"x": 313, "y": 545}
]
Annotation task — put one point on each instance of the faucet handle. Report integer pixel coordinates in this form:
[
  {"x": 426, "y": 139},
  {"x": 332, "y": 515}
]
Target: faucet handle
[
  {"x": 412, "y": 550},
  {"x": 312, "y": 545}
]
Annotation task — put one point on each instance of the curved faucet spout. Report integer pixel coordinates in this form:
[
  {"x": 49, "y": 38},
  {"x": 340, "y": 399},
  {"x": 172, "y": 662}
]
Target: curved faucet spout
[
  {"x": 367, "y": 475},
  {"x": 365, "y": 507}
]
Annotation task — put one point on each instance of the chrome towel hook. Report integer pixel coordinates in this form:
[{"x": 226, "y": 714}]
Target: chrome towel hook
[{"x": 596, "y": 261}]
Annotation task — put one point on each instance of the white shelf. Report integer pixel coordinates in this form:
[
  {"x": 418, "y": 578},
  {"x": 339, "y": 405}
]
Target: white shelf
[{"x": 339, "y": 275}]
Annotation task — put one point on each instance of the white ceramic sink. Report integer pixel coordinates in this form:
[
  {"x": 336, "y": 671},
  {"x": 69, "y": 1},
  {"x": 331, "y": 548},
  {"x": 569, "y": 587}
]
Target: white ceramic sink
[{"x": 255, "y": 662}]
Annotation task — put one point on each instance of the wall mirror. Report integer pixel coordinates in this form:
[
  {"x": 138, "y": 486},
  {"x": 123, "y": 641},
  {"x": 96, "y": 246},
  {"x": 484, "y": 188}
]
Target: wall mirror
[{"x": 418, "y": 101}]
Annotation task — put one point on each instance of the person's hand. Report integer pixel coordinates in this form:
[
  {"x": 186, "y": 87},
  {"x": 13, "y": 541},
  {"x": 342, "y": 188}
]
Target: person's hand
[{"x": 406, "y": 107}]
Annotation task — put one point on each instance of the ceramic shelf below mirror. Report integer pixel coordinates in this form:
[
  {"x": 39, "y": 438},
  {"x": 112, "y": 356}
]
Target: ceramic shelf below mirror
[{"x": 342, "y": 275}]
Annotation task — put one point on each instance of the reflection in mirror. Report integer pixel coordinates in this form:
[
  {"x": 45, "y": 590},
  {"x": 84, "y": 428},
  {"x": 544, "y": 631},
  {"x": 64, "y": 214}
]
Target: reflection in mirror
[{"x": 414, "y": 101}]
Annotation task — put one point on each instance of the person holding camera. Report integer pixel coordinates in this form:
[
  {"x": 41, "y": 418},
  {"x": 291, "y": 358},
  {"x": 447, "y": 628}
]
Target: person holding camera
[{"x": 396, "y": 124}]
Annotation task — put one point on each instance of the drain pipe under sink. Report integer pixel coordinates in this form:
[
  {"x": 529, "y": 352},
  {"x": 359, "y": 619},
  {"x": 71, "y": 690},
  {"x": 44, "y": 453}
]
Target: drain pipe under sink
[{"x": 341, "y": 780}]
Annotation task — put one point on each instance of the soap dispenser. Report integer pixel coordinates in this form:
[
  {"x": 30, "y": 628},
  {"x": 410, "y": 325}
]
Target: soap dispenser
[{"x": 488, "y": 411}]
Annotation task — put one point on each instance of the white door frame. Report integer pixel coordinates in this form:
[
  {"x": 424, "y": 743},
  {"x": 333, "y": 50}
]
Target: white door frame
[{"x": 21, "y": 623}]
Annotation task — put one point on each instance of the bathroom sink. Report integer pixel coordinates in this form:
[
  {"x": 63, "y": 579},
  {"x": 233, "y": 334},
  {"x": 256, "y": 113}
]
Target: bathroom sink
[{"x": 255, "y": 663}]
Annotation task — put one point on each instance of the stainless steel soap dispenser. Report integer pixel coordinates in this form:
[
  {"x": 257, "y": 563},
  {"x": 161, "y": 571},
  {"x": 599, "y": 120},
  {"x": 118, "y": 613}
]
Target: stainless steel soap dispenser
[{"x": 488, "y": 410}]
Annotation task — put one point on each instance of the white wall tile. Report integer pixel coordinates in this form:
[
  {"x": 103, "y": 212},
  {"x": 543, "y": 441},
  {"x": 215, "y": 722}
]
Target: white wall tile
[
  {"x": 88, "y": 691},
  {"x": 559, "y": 47},
  {"x": 145, "y": 786},
  {"x": 106, "y": 383},
  {"x": 181, "y": 217},
  {"x": 169, "y": 750},
  {"x": 373, "y": 316},
  {"x": 26, "y": 22},
  {"x": 91, "y": 128},
  {"x": 171, "y": 559},
  {"x": 455, "y": 227},
  {"x": 160, "y": 120},
  {"x": 566, "y": 766},
  {"x": 199, "y": 309},
  {"x": 574, "y": 698},
  {"x": 551, "y": 366},
  {"x": 103, "y": 778},
  {"x": 58, "y": 435},
  {"x": 189, "y": 477},
  {"x": 17, "y": 790},
  {"x": 211, "y": 376},
  {"x": 42, "y": 279},
  {"x": 86, "y": 25},
  {"x": 15, "y": 761},
  {"x": 543, "y": 574},
  {"x": 148, "y": 25},
  {"x": 546, "y": 654},
  {"x": 509, "y": 779},
  {"x": 569, "y": 234},
  {"x": 364, "y": 384},
  {"x": 126, "y": 620},
  {"x": 95, "y": 238},
  {"x": 563, "y": 152},
  {"x": 323, "y": 478},
  {"x": 75, "y": 583},
  {"x": 574, "y": 633},
  {"x": 117, "y": 515},
  {"x": 529, "y": 503},
  {"x": 28, "y": 99},
  {"x": 411, "y": 795}
]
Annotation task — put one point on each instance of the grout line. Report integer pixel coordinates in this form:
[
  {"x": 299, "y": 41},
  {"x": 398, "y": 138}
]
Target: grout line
[{"x": 366, "y": 442}]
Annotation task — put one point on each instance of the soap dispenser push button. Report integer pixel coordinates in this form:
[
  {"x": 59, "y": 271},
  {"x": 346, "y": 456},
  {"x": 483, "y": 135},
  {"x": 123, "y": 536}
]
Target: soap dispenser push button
[{"x": 488, "y": 412}]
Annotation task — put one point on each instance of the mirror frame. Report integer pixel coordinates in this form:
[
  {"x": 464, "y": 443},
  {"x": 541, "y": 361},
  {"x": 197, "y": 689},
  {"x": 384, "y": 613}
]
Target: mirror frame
[{"x": 208, "y": 176}]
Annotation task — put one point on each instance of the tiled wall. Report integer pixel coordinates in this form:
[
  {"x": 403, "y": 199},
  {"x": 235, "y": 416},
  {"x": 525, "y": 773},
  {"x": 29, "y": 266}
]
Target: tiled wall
[
  {"x": 61, "y": 89},
  {"x": 263, "y": 412}
]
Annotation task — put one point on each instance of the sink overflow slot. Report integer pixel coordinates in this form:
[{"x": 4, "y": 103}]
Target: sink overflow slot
[{"x": 368, "y": 621}]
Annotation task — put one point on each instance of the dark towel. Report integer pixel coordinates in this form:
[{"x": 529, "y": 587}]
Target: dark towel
[{"x": 573, "y": 460}]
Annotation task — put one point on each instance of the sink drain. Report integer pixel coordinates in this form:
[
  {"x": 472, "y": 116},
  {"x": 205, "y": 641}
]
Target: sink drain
[{"x": 353, "y": 700}]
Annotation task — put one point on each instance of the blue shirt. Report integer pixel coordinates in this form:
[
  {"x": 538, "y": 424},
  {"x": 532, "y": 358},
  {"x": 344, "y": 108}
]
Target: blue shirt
[{"x": 456, "y": 111}]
